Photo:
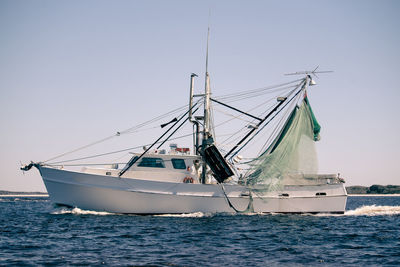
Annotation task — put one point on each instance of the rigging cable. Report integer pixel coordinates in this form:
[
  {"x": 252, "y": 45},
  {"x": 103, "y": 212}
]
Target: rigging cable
[
  {"x": 240, "y": 115},
  {"x": 129, "y": 130},
  {"x": 269, "y": 119},
  {"x": 277, "y": 127},
  {"x": 256, "y": 90},
  {"x": 105, "y": 139},
  {"x": 134, "y": 159},
  {"x": 248, "y": 96},
  {"x": 297, "y": 86},
  {"x": 239, "y": 96},
  {"x": 83, "y": 147},
  {"x": 114, "y": 152}
]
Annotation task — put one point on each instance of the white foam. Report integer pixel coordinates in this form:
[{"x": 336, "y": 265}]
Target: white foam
[
  {"x": 371, "y": 210},
  {"x": 186, "y": 215},
  {"x": 78, "y": 211},
  {"x": 374, "y": 211}
]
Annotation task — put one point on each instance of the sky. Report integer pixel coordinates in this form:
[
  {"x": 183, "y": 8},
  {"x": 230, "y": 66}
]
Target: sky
[{"x": 73, "y": 72}]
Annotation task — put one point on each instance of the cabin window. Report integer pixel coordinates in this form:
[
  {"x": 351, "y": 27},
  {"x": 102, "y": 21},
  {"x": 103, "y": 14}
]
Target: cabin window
[
  {"x": 152, "y": 162},
  {"x": 179, "y": 164}
]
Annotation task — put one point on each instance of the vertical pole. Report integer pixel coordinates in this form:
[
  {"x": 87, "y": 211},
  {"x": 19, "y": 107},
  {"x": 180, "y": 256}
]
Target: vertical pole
[
  {"x": 195, "y": 123},
  {"x": 206, "y": 129},
  {"x": 191, "y": 94},
  {"x": 207, "y": 94}
]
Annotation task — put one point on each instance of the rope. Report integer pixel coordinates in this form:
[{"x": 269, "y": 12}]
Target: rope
[
  {"x": 115, "y": 152},
  {"x": 290, "y": 100},
  {"x": 248, "y": 96},
  {"x": 240, "y": 115},
  {"x": 153, "y": 120},
  {"x": 99, "y": 164},
  {"x": 80, "y": 148},
  {"x": 249, "y": 206},
  {"x": 129, "y": 130},
  {"x": 258, "y": 90},
  {"x": 278, "y": 126}
]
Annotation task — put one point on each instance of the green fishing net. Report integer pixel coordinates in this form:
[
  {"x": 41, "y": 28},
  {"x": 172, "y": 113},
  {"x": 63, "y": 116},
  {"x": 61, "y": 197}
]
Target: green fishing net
[{"x": 291, "y": 157}]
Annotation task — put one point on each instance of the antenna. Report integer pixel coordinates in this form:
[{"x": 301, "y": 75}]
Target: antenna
[
  {"x": 208, "y": 39},
  {"x": 310, "y": 72}
]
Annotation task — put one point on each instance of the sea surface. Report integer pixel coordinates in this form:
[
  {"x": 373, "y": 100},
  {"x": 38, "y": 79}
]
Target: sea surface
[{"x": 34, "y": 232}]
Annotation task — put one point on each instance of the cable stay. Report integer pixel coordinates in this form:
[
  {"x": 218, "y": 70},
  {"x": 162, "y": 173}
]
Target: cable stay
[
  {"x": 262, "y": 128},
  {"x": 262, "y": 90},
  {"x": 283, "y": 100},
  {"x": 118, "y": 133},
  {"x": 109, "y": 153},
  {"x": 235, "y": 109},
  {"x": 241, "y": 115}
]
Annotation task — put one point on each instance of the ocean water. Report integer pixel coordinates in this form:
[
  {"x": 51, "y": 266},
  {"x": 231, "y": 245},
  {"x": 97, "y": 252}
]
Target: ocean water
[{"x": 34, "y": 232}]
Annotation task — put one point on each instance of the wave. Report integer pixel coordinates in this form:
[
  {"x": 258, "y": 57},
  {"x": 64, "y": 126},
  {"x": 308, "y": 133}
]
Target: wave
[
  {"x": 78, "y": 211},
  {"x": 374, "y": 210}
]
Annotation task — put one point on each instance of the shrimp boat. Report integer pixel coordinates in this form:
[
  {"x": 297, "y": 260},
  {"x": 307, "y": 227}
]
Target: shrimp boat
[{"x": 216, "y": 176}]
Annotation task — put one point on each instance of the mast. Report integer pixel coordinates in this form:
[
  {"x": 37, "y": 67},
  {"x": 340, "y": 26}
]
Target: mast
[
  {"x": 207, "y": 139},
  {"x": 212, "y": 158},
  {"x": 207, "y": 94}
]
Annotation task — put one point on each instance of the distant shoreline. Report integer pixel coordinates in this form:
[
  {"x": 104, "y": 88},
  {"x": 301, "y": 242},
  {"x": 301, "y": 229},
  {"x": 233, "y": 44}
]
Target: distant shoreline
[
  {"x": 24, "y": 195},
  {"x": 4, "y": 193},
  {"x": 7, "y": 193},
  {"x": 373, "y": 190}
]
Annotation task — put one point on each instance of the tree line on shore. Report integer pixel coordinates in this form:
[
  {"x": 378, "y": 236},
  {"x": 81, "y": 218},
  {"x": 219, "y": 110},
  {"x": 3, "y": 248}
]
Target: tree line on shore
[
  {"x": 373, "y": 189},
  {"x": 5, "y": 192}
]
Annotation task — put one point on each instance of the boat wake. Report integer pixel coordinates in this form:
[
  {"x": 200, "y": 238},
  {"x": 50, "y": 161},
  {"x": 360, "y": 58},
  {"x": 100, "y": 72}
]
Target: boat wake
[
  {"x": 371, "y": 210},
  {"x": 374, "y": 210},
  {"x": 187, "y": 215},
  {"x": 78, "y": 211}
]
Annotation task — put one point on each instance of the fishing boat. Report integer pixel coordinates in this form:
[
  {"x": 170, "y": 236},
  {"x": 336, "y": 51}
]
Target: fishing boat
[{"x": 214, "y": 176}]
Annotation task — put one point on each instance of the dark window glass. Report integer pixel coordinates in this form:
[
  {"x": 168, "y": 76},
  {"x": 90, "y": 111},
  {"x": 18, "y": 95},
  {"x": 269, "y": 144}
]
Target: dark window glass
[
  {"x": 152, "y": 162},
  {"x": 179, "y": 164}
]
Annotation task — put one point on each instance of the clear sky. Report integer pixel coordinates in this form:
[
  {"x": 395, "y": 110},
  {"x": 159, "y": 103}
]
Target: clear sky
[{"x": 72, "y": 72}]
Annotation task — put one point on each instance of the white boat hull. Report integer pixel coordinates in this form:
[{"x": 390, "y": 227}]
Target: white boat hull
[{"x": 135, "y": 196}]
